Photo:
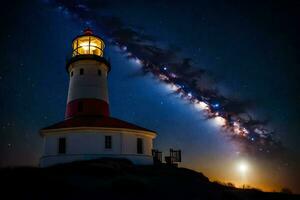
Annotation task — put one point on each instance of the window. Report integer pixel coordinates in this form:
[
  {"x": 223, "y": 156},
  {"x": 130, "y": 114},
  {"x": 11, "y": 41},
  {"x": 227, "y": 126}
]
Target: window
[
  {"x": 108, "y": 142},
  {"x": 139, "y": 145},
  {"x": 81, "y": 71},
  {"x": 99, "y": 72},
  {"x": 62, "y": 145},
  {"x": 71, "y": 73},
  {"x": 80, "y": 106}
]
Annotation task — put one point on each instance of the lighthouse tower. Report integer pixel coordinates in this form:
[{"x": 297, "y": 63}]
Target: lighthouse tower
[
  {"x": 88, "y": 132},
  {"x": 88, "y": 71}
]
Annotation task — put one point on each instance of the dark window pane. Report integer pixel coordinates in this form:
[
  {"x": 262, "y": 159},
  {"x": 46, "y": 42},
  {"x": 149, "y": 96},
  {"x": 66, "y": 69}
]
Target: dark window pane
[
  {"x": 71, "y": 73},
  {"x": 62, "y": 145},
  {"x": 139, "y": 146},
  {"x": 108, "y": 142},
  {"x": 80, "y": 106},
  {"x": 81, "y": 71},
  {"x": 99, "y": 72}
]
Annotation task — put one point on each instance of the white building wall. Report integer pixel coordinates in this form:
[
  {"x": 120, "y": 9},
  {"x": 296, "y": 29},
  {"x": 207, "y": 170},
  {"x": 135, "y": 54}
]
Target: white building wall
[
  {"x": 130, "y": 144},
  {"x": 83, "y": 143},
  {"x": 91, "y": 145},
  {"x": 148, "y": 146}
]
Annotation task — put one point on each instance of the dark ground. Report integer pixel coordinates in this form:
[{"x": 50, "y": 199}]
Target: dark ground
[{"x": 112, "y": 179}]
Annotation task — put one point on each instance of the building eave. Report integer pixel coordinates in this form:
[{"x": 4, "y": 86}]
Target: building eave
[{"x": 59, "y": 131}]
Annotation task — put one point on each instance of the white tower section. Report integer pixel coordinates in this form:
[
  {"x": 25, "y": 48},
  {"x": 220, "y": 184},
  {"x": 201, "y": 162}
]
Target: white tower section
[{"x": 88, "y": 80}]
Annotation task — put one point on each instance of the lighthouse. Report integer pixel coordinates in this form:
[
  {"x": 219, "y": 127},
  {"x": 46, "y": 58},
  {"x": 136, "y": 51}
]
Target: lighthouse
[{"x": 88, "y": 131}]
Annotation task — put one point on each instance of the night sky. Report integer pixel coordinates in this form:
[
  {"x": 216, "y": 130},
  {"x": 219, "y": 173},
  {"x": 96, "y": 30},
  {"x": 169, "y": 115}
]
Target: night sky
[{"x": 240, "y": 57}]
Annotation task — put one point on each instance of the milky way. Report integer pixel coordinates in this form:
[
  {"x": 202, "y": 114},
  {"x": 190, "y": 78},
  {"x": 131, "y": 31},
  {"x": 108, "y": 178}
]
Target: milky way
[{"x": 181, "y": 76}]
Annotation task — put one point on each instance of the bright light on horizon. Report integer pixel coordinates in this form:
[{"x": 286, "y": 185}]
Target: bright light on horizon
[{"x": 243, "y": 167}]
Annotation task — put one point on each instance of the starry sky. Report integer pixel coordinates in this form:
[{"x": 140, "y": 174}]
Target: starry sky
[{"x": 247, "y": 51}]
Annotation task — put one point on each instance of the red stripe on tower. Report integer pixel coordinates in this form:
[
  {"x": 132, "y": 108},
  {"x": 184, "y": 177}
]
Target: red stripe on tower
[{"x": 87, "y": 107}]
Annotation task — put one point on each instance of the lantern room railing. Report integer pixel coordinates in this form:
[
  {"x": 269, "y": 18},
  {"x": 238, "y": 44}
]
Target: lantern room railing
[{"x": 88, "y": 45}]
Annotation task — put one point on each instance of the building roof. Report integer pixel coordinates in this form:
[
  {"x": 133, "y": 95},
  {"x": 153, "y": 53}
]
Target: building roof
[{"x": 101, "y": 121}]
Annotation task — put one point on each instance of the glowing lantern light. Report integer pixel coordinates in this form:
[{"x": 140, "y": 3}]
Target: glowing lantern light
[{"x": 88, "y": 44}]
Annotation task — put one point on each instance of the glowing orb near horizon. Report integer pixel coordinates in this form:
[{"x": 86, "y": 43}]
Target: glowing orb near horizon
[{"x": 243, "y": 167}]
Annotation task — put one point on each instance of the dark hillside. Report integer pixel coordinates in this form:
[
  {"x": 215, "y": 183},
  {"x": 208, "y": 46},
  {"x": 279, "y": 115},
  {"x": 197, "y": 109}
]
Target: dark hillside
[{"x": 119, "y": 179}]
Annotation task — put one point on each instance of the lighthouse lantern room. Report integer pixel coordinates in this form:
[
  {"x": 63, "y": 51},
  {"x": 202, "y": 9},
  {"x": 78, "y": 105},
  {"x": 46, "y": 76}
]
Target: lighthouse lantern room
[
  {"x": 88, "y": 44},
  {"x": 88, "y": 132}
]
